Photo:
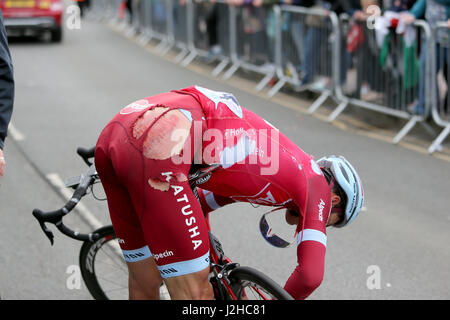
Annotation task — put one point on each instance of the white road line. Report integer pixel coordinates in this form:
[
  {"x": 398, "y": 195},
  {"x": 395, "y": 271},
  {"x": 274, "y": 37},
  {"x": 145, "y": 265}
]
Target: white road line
[
  {"x": 87, "y": 215},
  {"x": 14, "y": 133}
]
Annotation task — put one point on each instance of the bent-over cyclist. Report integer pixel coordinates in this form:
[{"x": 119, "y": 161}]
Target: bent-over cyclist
[{"x": 145, "y": 154}]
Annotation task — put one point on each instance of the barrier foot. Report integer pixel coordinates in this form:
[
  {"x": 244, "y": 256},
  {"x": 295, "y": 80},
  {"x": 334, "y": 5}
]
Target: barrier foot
[
  {"x": 181, "y": 55},
  {"x": 160, "y": 47},
  {"x": 319, "y": 102},
  {"x": 341, "y": 107},
  {"x": 411, "y": 123},
  {"x": 144, "y": 40},
  {"x": 276, "y": 88},
  {"x": 189, "y": 58},
  {"x": 220, "y": 67},
  {"x": 163, "y": 47},
  {"x": 132, "y": 31},
  {"x": 438, "y": 142},
  {"x": 122, "y": 26},
  {"x": 264, "y": 82},
  {"x": 429, "y": 129},
  {"x": 231, "y": 71}
]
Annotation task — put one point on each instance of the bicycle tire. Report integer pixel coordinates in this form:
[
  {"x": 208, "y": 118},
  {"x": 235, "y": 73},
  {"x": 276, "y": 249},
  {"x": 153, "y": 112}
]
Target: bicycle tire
[
  {"x": 240, "y": 277},
  {"x": 88, "y": 259},
  {"x": 89, "y": 272}
]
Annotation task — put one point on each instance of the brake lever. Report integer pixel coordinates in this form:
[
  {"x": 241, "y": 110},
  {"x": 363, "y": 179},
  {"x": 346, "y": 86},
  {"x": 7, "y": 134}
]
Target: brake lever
[{"x": 47, "y": 232}]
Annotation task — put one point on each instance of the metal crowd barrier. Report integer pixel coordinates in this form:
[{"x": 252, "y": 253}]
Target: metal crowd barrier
[
  {"x": 304, "y": 48},
  {"x": 306, "y": 52},
  {"x": 105, "y": 9},
  {"x": 383, "y": 77},
  {"x": 252, "y": 42},
  {"x": 209, "y": 33},
  {"x": 440, "y": 85}
]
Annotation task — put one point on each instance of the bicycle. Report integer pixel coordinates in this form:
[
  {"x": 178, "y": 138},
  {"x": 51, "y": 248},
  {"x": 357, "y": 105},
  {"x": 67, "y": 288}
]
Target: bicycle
[{"x": 100, "y": 253}]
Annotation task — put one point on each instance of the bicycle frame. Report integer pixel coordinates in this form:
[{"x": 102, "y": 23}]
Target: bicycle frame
[{"x": 221, "y": 265}]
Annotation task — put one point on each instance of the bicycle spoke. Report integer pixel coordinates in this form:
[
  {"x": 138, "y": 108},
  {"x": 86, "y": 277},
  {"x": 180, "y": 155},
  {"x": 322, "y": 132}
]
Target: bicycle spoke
[
  {"x": 114, "y": 260},
  {"x": 110, "y": 281},
  {"x": 113, "y": 265},
  {"x": 252, "y": 291}
]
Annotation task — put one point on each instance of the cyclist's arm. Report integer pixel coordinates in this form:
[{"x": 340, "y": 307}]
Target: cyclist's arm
[
  {"x": 210, "y": 201},
  {"x": 308, "y": 274},
  {"x": 311, "y": 242}
]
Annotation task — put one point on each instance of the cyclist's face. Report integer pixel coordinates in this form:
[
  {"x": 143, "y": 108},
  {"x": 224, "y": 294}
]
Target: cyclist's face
[{"x": 334, "y": 218}]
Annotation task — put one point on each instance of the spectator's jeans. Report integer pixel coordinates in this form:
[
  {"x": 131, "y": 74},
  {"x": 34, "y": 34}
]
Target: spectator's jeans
[
  {"x": 297, "y": 34},
  {"x": 441, "y": 58},
  {"x": 312, "y": 53}
]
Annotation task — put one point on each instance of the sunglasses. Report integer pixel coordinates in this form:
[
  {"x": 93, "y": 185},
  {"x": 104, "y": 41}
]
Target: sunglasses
[{"x": 266, "y": 232}]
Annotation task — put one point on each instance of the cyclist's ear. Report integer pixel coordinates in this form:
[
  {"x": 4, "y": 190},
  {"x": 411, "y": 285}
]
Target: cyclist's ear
[{"x": 335, "y": 199}]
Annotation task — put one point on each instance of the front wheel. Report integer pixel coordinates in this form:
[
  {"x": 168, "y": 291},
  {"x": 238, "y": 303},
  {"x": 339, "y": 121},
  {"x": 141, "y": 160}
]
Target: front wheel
[
  {"x": 250, "y": 284},
  {"x": 103, "y": 267}
]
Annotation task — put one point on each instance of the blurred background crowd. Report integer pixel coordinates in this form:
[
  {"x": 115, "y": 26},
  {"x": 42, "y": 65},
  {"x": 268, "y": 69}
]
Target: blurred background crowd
[
  {"x": 391, "y": 55},
  {"x": 375, "y": 66}
]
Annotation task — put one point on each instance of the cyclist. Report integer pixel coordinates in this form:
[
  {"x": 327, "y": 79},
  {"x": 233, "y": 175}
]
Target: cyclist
[{"x": 144, "y": 156}]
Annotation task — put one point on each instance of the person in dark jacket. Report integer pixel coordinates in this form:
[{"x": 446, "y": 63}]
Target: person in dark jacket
[{"x": 6, "y": 91}]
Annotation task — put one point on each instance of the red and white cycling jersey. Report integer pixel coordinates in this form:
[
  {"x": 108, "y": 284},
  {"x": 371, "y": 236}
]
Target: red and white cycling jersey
[
  {"x": 292, "y": 179},
  {"x": 259, "y": 165}
]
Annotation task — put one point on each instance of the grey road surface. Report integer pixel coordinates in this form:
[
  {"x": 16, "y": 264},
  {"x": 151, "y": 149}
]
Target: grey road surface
[{"x": 66, "y": 93}]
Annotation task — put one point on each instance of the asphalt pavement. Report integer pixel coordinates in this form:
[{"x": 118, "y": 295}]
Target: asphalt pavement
[{"x": 66, "y": 93}]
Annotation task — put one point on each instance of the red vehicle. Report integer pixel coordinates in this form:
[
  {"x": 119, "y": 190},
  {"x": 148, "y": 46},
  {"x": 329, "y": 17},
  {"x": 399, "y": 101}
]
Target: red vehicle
[{"x": 33, "y": 17}]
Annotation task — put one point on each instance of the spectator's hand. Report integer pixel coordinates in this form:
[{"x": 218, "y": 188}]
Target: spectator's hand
[
  {"x": 236, "y": 3},
  {"x": 448, "y": 23},
  {"x": 257, "y": 3},
  {"x": 407, "y": 18},
  {"x": 359, "y": 16},
  {"x": 2, "y": 163}
]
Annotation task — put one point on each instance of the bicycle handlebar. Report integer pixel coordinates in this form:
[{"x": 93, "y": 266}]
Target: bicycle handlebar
[
  {"x": 55, "y": 217},
  {"x": 87, "y": 179}
]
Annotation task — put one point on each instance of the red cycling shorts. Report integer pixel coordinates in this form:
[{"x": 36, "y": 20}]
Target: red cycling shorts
[{"x": 152, "y": 207}]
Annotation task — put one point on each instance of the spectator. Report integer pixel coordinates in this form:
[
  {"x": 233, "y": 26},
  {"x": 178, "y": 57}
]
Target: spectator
[
  {"x": 367, "y": 83},
  {"x": 316, "y": 45},
  {"x": 212, "y": 20},
  {"x": 6, "y": 91},
  {"x": 345, "y": 8},
  {"x": 212, "y": 26},
  {"x": 400, "y": 5},
  {"x": 303, "y": 42},
  {"x": 433, "y": 11},
  {"x": 83, "y": 5},
  {"x": 307, "y": 35},
  {"x": 258, "y": 32}
]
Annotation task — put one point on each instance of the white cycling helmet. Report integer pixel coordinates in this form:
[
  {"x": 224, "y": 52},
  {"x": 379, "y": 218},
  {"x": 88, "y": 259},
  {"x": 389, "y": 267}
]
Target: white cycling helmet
[{"x": 347, "y": 178}]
